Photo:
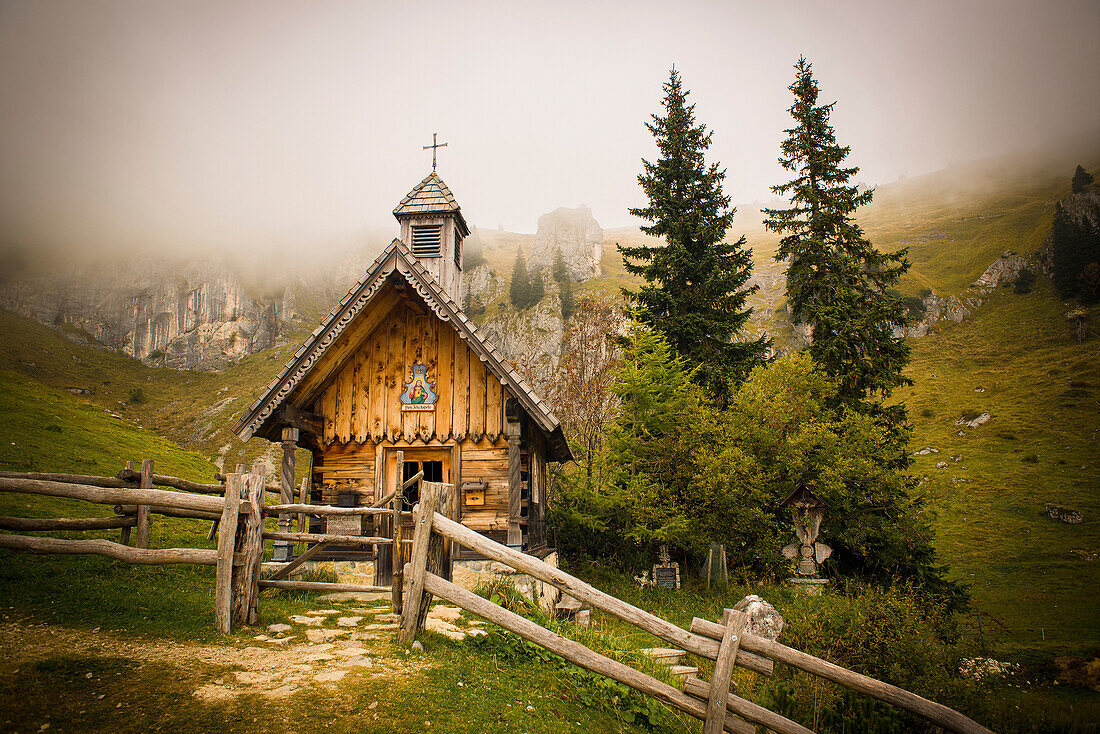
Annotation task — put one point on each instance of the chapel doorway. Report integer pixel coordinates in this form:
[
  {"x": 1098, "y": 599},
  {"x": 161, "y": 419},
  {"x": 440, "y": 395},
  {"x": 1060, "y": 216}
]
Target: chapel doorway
[{"x": 436, "y": 465}]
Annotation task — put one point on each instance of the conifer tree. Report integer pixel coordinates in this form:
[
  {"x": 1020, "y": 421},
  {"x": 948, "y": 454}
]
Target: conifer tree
[
  {"x": 695, "y": 284},
  {"x": 537, "y": 289},
  {"x": 568, "y": 302},
  {"x": 561, "y": 274},
  {"x": 837, "y": 281},
  {"x": 1082, "y": 179},
  {"x": 519, "y": 289}
]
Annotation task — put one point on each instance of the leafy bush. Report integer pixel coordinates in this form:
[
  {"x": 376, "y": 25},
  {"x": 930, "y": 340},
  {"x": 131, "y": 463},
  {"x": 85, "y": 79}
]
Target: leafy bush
[
  {"x": 893, "y": 634},
  {"x": 1024, "y": 281},
  {"x": 137, "y": 396},
  {"x": 683, "y": 473}
]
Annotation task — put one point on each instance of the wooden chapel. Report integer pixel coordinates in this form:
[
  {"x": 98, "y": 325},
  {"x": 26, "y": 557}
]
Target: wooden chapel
[{"x": 397, "y": 366}]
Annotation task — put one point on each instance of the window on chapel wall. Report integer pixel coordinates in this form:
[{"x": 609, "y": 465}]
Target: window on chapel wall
[{"x": 427, "y": 240}]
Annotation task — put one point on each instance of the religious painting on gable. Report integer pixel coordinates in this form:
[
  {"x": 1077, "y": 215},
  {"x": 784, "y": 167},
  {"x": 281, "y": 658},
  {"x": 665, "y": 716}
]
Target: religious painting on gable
[{"x": 419, "y": 393}]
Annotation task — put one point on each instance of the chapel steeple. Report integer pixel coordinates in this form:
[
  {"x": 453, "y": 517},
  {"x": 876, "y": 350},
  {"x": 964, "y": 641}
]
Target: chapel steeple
[{"x": 432, "y": 226}]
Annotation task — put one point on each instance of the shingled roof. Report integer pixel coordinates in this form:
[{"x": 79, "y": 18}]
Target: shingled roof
[
  {"x": 430, "y": 196},
  {"x": 396, "y": 260}
]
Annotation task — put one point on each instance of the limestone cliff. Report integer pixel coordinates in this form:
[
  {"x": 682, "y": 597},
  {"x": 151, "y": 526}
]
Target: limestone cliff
[
  {"x": 574, "y": 233},
  {"x": 193, "y": 315}
]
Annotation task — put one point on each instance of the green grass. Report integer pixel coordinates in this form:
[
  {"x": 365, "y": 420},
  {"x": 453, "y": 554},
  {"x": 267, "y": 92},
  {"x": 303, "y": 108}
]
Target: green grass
[
  {"x": 189, "y": 408},
  {"x": 1033, "y": 576}
]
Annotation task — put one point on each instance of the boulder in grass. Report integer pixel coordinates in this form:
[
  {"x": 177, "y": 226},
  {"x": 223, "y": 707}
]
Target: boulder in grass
[
  {"x": 1064, "y": 514},
  {"x": 764, "y": 620}
]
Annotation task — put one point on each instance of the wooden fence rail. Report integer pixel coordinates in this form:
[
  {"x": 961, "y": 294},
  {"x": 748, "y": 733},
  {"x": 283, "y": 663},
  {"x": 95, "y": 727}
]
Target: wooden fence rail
[
  {"x": 238, "y": 517},
  {"x": 728, "y": 643},
  {"x": 145, "y": 556}
]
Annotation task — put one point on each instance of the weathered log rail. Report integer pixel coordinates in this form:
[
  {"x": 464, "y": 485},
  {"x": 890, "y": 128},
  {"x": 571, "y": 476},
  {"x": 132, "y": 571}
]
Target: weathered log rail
[
  {"x": 238, "y": 517},
  {"x": 727, "y": 642}
]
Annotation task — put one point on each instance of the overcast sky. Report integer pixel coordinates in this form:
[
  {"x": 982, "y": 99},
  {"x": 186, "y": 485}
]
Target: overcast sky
[{"x": 243, "y": 124}]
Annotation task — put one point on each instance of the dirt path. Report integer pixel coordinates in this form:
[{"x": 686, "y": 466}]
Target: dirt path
[{"x": 318, "y": 648}]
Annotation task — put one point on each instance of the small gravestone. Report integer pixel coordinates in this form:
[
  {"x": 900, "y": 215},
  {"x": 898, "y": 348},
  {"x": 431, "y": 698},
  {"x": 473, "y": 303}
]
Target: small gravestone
[{"x": 666, "y": 572}]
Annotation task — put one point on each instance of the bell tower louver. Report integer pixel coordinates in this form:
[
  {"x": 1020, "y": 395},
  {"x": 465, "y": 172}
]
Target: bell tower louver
[{"x": 433, "y": 228}]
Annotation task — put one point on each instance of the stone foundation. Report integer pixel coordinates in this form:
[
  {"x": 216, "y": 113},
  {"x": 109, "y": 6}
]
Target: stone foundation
[
  {"x": 347, "y": 572},
  {"x": 468, "y": 574}
]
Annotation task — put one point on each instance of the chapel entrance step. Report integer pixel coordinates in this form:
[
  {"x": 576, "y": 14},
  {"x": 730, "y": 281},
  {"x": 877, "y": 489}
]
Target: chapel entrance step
[
  {"x": 683, "y": 671},
  {"x": 664, "y": 655}
]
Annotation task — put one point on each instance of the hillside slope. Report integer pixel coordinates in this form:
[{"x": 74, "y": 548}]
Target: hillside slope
[{"x": 1018, "y": 361}]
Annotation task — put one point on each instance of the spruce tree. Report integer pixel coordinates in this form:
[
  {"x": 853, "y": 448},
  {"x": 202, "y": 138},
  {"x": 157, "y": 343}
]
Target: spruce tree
[
  {"x": 568, "y": 302},
  {"x": 561, "y": 274},
  {"x": 537, "y": 290},
  {"x": 837, "y": 281},
  {"x": 519, "y": 289},
  {"x": 695, "y": 290},
  {"x": 1082, "y": 179}
]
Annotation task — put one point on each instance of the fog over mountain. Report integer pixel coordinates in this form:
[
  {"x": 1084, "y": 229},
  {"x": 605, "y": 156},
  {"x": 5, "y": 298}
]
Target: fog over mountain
[{"x": 256, "y": 127}]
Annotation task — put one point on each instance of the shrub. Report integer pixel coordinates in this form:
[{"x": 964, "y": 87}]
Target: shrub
[
  {"x": 1024, "y": 281},
  {"x": 890, "y": 634},
  {"x": 137, "y": 396},
  {"x": 1030, "y": 458},
  {"x": 685, "y": 474}
]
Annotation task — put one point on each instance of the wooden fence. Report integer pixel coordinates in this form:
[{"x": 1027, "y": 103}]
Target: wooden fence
[
  {"x": 237, "y": 519},
  {"x": 726, "y": 642}
]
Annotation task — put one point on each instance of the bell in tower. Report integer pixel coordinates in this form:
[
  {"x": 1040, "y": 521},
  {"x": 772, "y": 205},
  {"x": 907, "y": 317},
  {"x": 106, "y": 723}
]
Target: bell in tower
[{"x": 432, "y": 226}]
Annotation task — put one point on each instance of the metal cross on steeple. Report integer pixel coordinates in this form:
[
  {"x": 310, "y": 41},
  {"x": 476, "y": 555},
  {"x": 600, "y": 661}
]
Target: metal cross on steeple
[{"x": 433, "y": 146}]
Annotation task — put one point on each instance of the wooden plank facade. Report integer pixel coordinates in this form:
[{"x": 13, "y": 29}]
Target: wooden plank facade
[{"x": 486, "y": 431}]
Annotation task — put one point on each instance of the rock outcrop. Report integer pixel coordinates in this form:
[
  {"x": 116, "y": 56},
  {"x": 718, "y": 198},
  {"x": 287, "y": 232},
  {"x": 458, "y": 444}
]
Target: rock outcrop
[
  {"x": 197, "y": 315},
  {"x": 939, "y": 308},
  {"x": 482, "y": 282},
  {"x": 574, "y": 233},
  {"x": 531, "y": 337},
  {"x": 1005, "y": 269}
]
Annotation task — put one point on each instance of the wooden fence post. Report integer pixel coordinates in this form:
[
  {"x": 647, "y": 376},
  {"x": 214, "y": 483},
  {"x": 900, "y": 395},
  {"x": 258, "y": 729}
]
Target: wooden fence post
[
  {"x": 250, "y": 529},
  {"x": 397, "y": 553},
  {"x": 124, "y": 535},
  {"x": 227, "y": 538},
  {"x": 143, "y": 510},
  {"x": 284, "y": 549},
  {"x": 436, "y": 563},
  {"x": 735, "y": 622},
  {"x": 417, "y": 566}
]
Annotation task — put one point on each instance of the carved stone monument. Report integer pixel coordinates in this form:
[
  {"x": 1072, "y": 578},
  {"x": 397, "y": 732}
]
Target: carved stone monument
[{"x": 807, "y": 509}]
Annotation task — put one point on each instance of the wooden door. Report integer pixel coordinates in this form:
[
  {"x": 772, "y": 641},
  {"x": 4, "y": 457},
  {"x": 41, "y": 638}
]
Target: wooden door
[{"x": 436, "y": 464}]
